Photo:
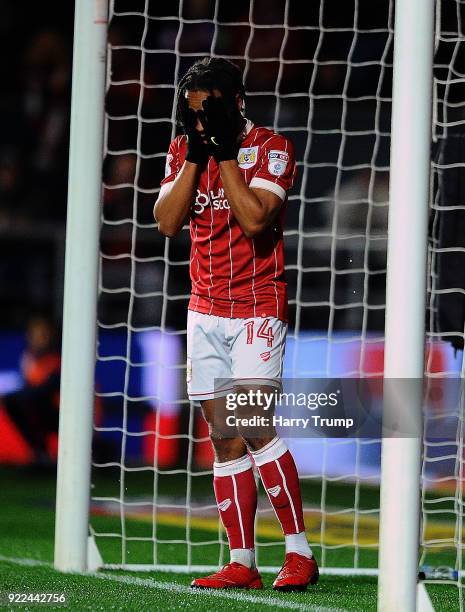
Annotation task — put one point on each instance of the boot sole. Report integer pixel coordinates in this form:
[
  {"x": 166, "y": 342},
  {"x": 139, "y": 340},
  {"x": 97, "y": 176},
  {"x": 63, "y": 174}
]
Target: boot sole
[
  {"x": 287, "y": 588},
  {"x": 226, "y": 588},
  {"x": 252, "y": 586}
]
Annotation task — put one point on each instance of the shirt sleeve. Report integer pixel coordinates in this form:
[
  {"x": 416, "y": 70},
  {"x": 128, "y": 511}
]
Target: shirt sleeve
[
  {"x": 173, "y": 163},
  {"x": 276, "y": 167}
]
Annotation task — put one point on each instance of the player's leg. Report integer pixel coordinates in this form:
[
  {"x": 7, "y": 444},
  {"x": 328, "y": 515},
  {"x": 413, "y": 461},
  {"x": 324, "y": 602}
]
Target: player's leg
[
  {"x": 236, "y": 498},
  {"x": 234, "y": 483},
  {"x": 273, "y": 459},
  {"x": 280, "y": 479}
]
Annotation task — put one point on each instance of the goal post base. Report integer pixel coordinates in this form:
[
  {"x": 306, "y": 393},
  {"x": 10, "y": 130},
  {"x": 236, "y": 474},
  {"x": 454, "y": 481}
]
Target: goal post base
[
  {"x": 94, "y": 558},
  {"x": 423, "y": 601}
]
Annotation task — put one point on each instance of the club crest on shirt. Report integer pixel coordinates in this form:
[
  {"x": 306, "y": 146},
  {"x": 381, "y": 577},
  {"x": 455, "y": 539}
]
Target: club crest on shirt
[
  {"x": 277, "y": 162},
  {"x": 169, "y": 159},
  {"x": 247, "y": 157}
]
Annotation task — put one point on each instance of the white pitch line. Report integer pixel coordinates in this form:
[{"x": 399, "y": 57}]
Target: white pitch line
[
  {"x": 244, "y": 597},
  {"x": 179, "y": 588},
  {"x": 25, "y": 562},
  {"x": 264, "y": 569}
]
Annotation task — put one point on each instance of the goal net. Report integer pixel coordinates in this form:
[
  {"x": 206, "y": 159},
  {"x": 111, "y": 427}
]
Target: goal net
[
  {"x": 443, "y": 454},
  {"x": 319, "y": 73}
]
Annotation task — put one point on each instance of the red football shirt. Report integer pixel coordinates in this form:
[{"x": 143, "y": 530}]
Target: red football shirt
[{"x": 232, "y": 275}]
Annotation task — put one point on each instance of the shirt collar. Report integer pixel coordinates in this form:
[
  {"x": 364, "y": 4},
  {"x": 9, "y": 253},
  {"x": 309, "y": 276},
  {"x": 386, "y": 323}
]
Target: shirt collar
[{"x": 247, "y": 129}]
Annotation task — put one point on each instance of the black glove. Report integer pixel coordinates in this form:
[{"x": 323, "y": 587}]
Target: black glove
[
  {"x": 222, "y": 123},
  {"x": 197, "y": 150}
]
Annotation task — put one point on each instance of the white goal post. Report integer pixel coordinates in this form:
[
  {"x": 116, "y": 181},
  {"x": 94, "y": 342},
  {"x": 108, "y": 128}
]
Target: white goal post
[
  {"x": 81, "y": 282},
  {"x": 404, "y": 340},
  {"x": 406, "y": 297}
]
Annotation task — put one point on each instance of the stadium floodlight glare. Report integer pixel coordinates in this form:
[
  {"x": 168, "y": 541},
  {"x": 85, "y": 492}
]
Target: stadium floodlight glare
[{"x": 322, "y": 77}]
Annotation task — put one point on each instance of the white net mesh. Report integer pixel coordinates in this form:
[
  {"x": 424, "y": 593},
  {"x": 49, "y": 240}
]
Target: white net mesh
[
  {"x": 442, "y": 499},
  {"x": 320, "y": 74}
]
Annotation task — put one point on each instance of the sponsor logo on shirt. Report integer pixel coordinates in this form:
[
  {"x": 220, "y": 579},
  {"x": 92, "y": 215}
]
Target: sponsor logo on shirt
[
  {"x": 277, "y": 162},
  {"x": 247, "y": 157},
  {"x": 169, "y": 159},
  {"x": 216, "y": 200}
]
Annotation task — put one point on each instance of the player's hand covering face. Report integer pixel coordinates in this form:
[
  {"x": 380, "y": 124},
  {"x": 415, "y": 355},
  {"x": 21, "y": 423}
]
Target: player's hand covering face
[
  {"x": 197, "y": 151},
  {"x": 222, "y": 123}
]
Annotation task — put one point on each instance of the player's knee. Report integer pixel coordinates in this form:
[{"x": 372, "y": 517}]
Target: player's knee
[
  {"x": 256, "y": 443},
  {"x": 227, "y": 449}
]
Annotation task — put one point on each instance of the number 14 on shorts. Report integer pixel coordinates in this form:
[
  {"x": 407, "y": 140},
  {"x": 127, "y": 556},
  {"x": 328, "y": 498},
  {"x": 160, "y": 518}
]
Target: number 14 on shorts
[{"x": 265, "y": 331}]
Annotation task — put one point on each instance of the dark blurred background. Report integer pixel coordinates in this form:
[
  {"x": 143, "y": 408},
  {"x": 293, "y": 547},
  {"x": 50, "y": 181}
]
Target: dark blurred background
[
  {"x": 345, "y": 105},
  {"x": 324, "y": 80},
  {"x": 318, "y": 72},
  {"x": 35, "y": 72}
]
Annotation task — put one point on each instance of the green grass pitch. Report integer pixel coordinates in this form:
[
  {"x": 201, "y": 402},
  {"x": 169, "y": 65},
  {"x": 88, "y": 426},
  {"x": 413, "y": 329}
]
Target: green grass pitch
[{"x": 26, "y": 554}]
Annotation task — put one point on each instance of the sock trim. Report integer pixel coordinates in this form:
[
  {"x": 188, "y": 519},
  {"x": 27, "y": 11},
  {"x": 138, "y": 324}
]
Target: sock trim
[
  {"x": 238, "y": 508},
  {"x": 236, "y": 555},
  {"x": 270, "y": 452},
  {"x": 283, "y": 478},
  {"x": 236, "y": 466},
  {"x": 298, "y": 543}
]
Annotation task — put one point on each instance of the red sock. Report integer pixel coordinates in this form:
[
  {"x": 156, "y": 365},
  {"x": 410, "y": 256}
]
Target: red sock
[
  {"x": 281, "y": 481},
  {"x": 236, "y": 496}
]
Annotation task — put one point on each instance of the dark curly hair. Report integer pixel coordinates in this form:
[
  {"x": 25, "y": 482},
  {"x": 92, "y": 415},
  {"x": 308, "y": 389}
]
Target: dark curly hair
[{"x": 211, "y": 73}]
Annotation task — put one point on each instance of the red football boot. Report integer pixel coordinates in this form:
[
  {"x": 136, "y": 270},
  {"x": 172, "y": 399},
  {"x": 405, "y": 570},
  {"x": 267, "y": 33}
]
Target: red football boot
[
  {"x": 231, "y": 576},
  {"x": 296, "y": 573}
]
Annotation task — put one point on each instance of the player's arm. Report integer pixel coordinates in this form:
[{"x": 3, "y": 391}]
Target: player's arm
[
  {"x": 175, "y": 200},
  {"x": 253, "y": 208},
  {"x": 176, "y": 196}
]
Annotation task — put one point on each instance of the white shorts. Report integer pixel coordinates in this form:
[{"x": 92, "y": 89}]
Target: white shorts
[{"x": 245, "y": 349}]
